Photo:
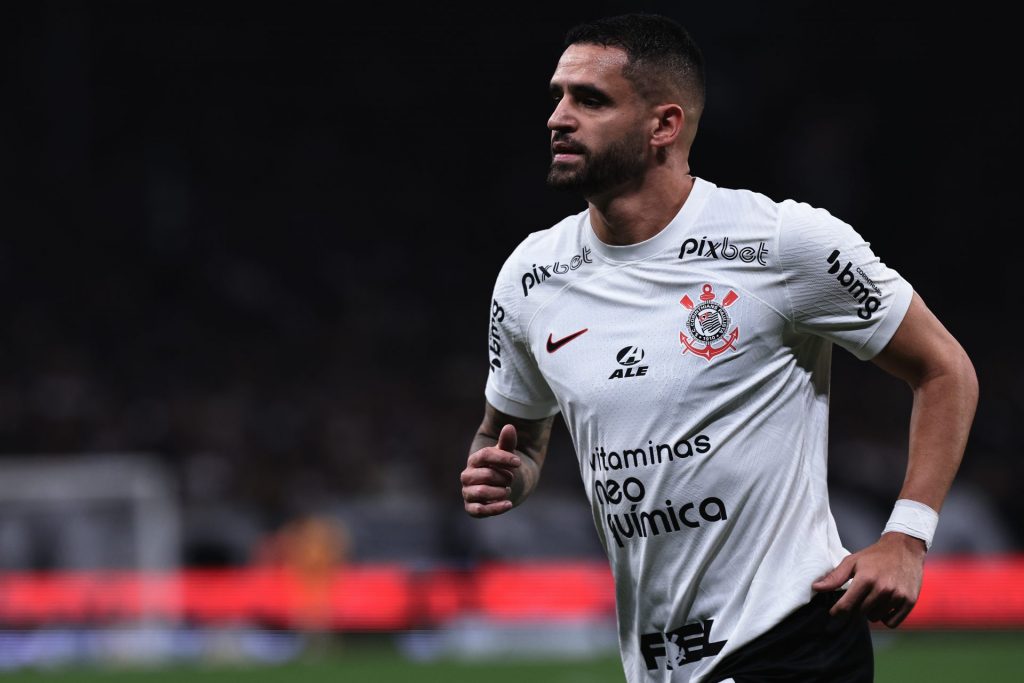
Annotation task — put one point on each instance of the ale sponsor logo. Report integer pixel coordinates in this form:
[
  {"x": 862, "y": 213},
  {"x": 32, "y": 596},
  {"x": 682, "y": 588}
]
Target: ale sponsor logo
[{"x": 629, "y": 358}]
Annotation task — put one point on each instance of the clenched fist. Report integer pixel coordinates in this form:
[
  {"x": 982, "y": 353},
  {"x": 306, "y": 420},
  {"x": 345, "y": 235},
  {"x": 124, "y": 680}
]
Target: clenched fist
[{"x": 487, "y": 479}]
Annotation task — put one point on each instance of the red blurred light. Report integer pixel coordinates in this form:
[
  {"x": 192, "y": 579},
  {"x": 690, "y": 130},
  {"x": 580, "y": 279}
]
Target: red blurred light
[{"x": 976, "y": 592}]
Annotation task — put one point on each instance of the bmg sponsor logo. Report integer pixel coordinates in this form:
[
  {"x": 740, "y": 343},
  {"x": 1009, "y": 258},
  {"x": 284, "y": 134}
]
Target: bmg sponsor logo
[
  {"x": 724, "y": 250},
  {"x": 539, "y": 274},
  {"x": 494, "y": 339},
  {"x": 859, "y": 290}
]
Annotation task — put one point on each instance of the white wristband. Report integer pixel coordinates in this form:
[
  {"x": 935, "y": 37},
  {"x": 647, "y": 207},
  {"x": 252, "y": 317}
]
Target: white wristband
[{"x": 913, "y": 519}]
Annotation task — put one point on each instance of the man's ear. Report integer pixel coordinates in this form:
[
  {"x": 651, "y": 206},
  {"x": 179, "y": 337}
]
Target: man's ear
[{"x": 669, "y": 124}]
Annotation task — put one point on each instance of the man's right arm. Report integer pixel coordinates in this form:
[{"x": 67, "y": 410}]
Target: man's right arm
[{"x": 504, "y": 462}]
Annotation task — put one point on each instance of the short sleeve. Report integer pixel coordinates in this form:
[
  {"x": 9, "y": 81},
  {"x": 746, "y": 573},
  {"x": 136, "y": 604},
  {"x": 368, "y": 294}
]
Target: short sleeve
[
  {"x": 837, "y": 287},
  {"x": 514, "y": 385}
]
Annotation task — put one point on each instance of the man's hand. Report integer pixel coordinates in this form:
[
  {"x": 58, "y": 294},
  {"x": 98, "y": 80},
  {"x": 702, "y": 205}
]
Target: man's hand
[
  {"x": 886, "y": 579},
  {"x": 487, "y": 479}
]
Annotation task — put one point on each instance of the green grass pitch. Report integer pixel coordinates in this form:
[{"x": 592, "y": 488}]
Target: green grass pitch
[{"x": 953, "y": 657}]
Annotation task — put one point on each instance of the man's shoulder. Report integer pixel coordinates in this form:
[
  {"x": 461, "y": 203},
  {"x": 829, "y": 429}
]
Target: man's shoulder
[
  {"x": 753, "y": 205},
  {"x": 749, "y": 204},
  {"x": 548, "y": 243},
  {"x": 558, "y": 250}
]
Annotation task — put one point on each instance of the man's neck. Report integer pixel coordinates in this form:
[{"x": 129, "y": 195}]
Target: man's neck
[{"x": 641, "y": 212}]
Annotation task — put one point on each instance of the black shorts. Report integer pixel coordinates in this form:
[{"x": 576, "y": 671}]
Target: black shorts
[{"x": 808, "y": 646}]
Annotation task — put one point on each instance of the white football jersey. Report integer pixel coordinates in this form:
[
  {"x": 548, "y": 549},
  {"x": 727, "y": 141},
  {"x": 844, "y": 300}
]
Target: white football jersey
[{"x": 692, "y": 372}]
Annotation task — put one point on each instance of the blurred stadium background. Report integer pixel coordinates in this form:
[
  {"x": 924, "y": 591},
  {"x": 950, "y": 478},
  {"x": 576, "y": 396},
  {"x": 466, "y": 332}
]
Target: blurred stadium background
[{"x": 245, "y": 269}]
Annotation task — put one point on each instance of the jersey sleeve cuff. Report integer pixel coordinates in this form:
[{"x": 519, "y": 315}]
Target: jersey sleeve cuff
[
  {"x": 527, "y": 411},
  {"x": 884, "y": 332}
]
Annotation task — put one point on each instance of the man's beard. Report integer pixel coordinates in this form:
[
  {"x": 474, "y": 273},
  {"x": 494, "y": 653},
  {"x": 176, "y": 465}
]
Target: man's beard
[{"x": 621, "y": 162}]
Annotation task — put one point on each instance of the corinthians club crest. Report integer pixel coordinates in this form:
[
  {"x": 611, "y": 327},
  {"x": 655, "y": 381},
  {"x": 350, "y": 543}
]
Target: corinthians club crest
[{"x": 709, "y": 323}]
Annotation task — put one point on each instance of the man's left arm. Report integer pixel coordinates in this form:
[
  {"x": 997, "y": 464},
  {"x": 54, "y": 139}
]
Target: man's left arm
[{"x": 887, "y": 575}]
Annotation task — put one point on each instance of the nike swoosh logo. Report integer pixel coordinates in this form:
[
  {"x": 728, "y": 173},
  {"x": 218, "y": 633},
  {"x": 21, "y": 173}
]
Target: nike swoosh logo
[{"x": 555, "y": 345}]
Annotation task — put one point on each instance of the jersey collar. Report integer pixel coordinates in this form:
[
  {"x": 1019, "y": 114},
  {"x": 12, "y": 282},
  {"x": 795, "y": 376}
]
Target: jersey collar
[{"x": 670, "y": 235}]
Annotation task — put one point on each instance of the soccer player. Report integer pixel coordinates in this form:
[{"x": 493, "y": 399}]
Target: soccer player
[{"x": 684, "y": 331}]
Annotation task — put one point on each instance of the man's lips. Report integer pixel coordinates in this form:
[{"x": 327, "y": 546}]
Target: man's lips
[
  {"x": 562, "y": 151},
  {"x": 565, "y": 157}
]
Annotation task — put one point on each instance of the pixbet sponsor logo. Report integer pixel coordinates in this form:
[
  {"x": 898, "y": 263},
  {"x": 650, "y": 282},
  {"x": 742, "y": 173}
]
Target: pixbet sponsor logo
[
  {"x": 681, "y": 646},
  {"x": 860, "y": 291},
  {"x": 709, "y": 248},
  {"x": 539, "y": 274},
  {"x": 629, "y": 358}
]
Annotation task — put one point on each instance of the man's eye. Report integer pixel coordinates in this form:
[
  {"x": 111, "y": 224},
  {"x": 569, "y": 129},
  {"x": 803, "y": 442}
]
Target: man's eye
[{"x": 591, "y": 102}]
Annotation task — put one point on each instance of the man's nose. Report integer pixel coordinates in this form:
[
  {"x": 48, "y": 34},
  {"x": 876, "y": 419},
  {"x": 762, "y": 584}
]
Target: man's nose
[{"x": 561, "y": 118}]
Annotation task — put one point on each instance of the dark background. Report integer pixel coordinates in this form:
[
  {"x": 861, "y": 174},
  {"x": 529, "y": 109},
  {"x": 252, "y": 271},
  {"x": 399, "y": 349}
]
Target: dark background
[{"x": 260, "y": 243}]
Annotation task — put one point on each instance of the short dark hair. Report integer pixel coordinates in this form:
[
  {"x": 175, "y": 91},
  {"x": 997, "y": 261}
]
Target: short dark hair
[{"x": 663, "y": 60}]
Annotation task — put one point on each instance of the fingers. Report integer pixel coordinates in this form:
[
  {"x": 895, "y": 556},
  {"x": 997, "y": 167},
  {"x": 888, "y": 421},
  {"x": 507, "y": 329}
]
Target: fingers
[
  {"x": 486, "y": 491},
  {"x": 488, "y": 509},
  {"x": 507, "y": 438},
  {"x": 472, "y": 476},
  {"x": 484, "y": 501},
  {"x": 851, "y": 599},
  {"x": 486, "y": 494},
  {"x": 885, "y": 585},
  {"x": 837, "y": 577},
  {"x": 487, "y": 479},
  {"x": 876, "y": 601},
  {"x": 887, "y": 605},
  {"x": 899, "y": 615},
  {"x": 878, "y": 604},
  {"x": 493, "y": 456}
]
